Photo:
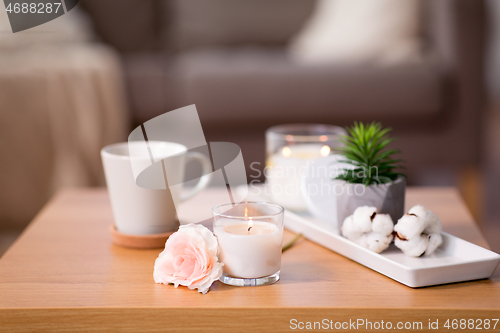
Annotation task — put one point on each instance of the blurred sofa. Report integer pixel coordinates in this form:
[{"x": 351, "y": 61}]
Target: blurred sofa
[
  {"x": 229, "y": 58},
  {"x": 61, "y": 100}
]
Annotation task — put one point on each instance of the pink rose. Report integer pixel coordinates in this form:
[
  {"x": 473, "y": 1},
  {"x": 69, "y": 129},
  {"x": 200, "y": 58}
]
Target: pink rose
[{"x": 189, "y": 259}]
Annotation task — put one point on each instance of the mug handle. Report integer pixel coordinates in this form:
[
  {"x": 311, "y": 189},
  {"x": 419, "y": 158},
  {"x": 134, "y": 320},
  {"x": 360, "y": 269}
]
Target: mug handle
[{"x": 206, "y": 166}]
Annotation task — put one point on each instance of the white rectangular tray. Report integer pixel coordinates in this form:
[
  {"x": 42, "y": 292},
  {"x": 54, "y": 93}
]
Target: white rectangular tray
[{"x": 455, "y": 260}]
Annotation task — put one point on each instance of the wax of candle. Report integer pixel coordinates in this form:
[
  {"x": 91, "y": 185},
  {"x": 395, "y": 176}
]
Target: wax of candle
[
  {"x": 250, "y": 229},
  {"x": 249, "y": 249}
]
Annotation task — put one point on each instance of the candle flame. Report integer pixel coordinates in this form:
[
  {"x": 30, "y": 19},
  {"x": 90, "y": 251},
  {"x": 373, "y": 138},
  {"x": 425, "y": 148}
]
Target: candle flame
[
  {"x": 250, "y": 225},
  {"x": 286, "y": 152},
  {"x": 323, "y": 138},
  {"x": 325, "y": 150},
  {"x": 250, "y": 222}
]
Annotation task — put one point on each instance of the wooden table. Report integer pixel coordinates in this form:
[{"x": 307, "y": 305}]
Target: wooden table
[{"x": 64, "y": 274}]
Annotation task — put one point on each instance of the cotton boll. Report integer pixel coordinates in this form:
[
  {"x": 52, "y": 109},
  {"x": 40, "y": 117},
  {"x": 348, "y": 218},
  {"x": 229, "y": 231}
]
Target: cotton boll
[
  {"x": 378, "y": 242},
  {"x": 363, "y": 218},
  {"x": 419, "y": 210},
  {"x": 362, "y": 240},
  {"x": 433, "y": 224},
  {"x": 414, "y": 247},
  {"x": 382, "y": 223},
  {"x": 349, "y": 230},
  {"x": 434, "y": 241},
  {"x": 369, "y": 229},
  {"x": 418, "y": 231},
  {"x": 410, "y": 226}
]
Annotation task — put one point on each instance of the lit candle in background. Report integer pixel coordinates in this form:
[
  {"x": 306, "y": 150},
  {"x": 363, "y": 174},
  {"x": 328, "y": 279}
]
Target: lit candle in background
[
  {"x": 290, "y": 149},
  {"x": 286, "y": 169},
  {"x": 250, "y": 246}
]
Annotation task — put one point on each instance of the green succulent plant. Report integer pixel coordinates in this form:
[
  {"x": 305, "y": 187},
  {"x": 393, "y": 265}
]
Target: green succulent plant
[{"x": 366, "y": 149}]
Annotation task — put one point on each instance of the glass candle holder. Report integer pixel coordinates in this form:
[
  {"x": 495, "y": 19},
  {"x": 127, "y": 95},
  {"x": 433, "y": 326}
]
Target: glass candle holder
[
  {"x": 289, "y": 151},
  {"x": 250, "y": 236}
]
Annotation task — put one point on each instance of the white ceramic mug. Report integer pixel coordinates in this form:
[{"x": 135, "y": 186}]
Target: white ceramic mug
[{"x": 145, "y": 211}]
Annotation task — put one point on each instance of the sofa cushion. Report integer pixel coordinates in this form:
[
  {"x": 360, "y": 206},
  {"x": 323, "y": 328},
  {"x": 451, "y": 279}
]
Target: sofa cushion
[
  {"x": 200, "y": 23},
  {"x": 244, "y": 87},
  {"x": 260, "y": 88}
]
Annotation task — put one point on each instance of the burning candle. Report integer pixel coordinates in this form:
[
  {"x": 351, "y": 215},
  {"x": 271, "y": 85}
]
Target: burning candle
[
  {"x": 290, "y": 150},
  {"x": 286, "y": 170},
  {"x": 250, "y": 235}
]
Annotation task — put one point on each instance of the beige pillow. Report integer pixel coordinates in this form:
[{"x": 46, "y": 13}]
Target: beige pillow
[{"x": 353, "y": 31}]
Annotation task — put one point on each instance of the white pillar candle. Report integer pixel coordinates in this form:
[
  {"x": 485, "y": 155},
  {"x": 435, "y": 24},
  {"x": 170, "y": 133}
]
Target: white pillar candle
[
  {"x": 286, "y": 169},
  {"x": 249, "y": 249}
]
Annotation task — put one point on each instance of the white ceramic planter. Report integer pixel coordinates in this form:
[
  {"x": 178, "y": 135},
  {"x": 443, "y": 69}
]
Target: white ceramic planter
[
  {"x": 388, "y": 198},
  {"x": 331, "y": 201}
]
